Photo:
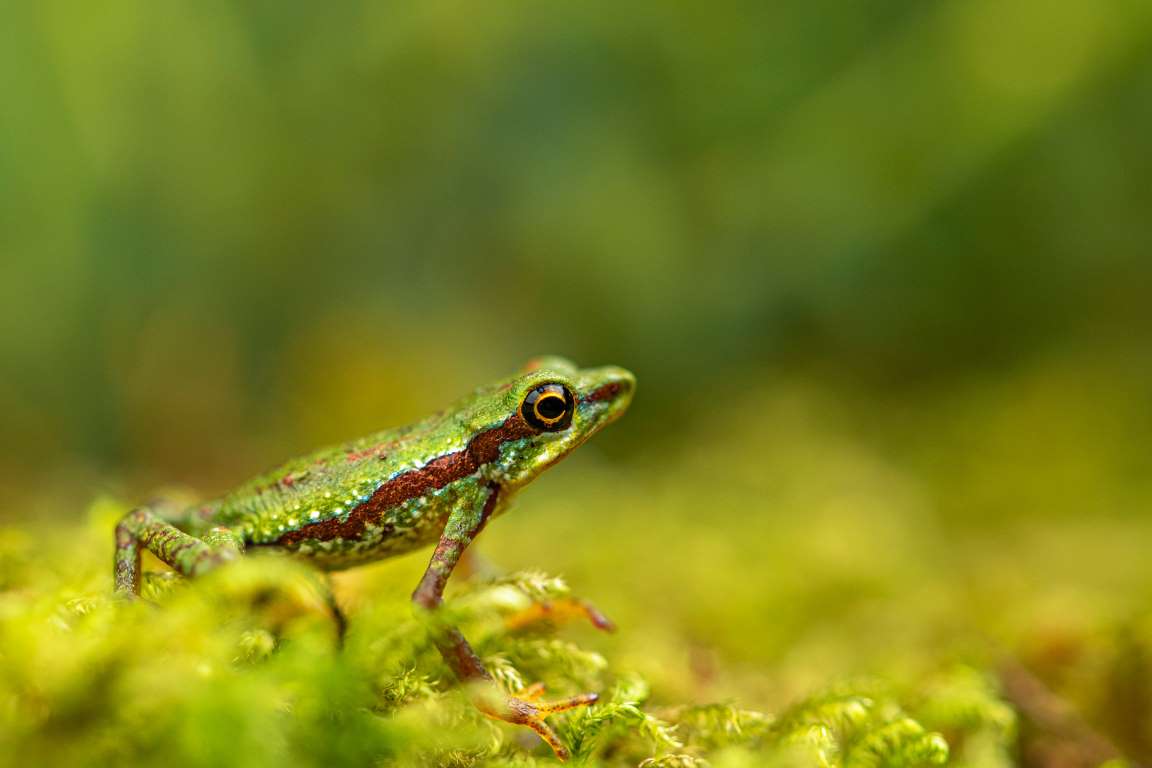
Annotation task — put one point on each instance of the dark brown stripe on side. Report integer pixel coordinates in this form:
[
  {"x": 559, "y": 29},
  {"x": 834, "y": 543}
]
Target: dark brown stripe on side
[
  {"x": 607, "y": 391},
  {"x": 482, "y": 449}
]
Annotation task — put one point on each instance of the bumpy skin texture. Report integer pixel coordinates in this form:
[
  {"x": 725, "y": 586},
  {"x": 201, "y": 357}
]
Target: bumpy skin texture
[{"x": 438, "y": 480}]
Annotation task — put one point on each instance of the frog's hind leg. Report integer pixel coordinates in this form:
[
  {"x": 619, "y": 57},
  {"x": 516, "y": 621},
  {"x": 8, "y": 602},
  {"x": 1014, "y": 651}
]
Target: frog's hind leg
[
  {"x": 186, "y": 554},
  {"x": 339, "y": 618}
]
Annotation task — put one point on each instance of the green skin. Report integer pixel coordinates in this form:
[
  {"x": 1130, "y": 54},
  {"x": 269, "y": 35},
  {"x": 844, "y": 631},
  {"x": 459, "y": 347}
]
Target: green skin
[{"x": 436, "y": 481}]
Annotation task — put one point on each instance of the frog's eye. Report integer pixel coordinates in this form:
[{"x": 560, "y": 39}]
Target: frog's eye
[{"x": 548, "y": 407}]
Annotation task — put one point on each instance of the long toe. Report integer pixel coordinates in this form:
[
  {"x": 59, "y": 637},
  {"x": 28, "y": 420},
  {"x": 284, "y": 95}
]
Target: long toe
[{"x": 563, "y": 705}]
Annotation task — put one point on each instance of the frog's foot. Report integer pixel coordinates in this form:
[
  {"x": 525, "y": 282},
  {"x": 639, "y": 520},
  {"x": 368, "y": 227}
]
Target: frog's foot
[
  {"x": 558, "y": 611},
  {"x": 527, "y": 709}
]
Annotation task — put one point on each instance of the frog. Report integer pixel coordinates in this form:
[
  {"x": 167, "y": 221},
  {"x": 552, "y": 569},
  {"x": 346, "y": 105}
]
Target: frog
[{"x": 433, "y": 483}]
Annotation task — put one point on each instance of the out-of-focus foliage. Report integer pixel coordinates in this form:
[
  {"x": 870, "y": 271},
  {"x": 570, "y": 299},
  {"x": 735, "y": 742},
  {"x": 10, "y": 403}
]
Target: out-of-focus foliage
[
  {"x": 226, "y": 220},
  {"x": 881, "y": 268}
]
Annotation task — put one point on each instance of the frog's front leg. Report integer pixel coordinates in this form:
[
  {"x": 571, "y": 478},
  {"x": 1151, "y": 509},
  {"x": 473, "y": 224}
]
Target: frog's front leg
[
  {"x": 186, "y": 554},
  {"x": 463, "y": 525}
]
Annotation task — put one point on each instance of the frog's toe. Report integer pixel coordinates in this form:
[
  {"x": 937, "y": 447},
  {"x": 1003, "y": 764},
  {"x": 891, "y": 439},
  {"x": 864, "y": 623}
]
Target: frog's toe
[
  {"x": 598, "y": 619},
  {"x": 545, "y": 732},
  {"x": 572, "y": 702},
  {"x": 558, "y": 611},
  {"x": 526, "y": 709}
]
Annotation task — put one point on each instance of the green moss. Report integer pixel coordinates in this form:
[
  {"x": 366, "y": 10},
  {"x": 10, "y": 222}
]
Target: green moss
[{"x": 242, "y": 667}]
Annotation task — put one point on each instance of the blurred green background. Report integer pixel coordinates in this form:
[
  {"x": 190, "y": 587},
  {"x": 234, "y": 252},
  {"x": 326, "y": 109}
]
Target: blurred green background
[{"x": 883, "y": 270}]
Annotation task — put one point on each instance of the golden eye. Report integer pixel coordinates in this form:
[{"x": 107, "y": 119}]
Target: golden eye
[{"x": 548, "y": 407}]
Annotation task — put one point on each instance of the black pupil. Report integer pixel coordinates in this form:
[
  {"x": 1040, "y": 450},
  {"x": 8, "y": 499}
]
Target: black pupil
[{"x": 550, "y": 407}]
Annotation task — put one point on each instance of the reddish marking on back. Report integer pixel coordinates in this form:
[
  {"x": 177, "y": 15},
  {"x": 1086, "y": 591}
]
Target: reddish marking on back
[
  {"x": 482, "y": 449},
  {"x": 354, "y": 456}
]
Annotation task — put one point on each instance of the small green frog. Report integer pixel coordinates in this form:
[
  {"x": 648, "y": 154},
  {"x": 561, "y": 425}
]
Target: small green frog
[{"x": 438, "y": 481}]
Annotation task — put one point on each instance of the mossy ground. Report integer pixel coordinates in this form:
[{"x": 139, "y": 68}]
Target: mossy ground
[
  {"x": 242, "y": 667},
  {"x": 792, "y": 588}
]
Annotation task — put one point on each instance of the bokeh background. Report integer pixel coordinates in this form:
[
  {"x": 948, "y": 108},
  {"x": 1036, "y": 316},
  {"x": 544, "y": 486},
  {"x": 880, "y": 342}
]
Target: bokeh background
[{"x": 883, "y": 269}]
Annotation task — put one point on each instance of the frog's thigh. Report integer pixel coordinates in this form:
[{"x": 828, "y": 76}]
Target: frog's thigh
[{"x": 186, "y": 554}]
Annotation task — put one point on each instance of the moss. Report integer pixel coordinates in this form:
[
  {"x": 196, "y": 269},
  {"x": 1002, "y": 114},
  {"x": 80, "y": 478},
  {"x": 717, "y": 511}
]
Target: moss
[{"x": 242, "y": 668}]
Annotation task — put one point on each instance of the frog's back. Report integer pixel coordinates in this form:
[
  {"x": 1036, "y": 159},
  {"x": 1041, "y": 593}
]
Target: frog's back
[{"x": 327, "y": 484}]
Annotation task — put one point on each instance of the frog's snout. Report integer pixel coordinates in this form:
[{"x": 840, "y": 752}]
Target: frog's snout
[{"x": 612, "y": 387}]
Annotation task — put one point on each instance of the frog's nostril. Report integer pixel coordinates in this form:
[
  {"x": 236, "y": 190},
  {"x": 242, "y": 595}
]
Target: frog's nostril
[
  {"x": 614, "y": 388},
  {"x": 625, "y": 382}
]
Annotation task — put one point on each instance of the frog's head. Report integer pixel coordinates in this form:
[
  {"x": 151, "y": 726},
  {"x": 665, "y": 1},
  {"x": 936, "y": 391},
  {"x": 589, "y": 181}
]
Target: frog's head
[{"x": 549, "y": 409}]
